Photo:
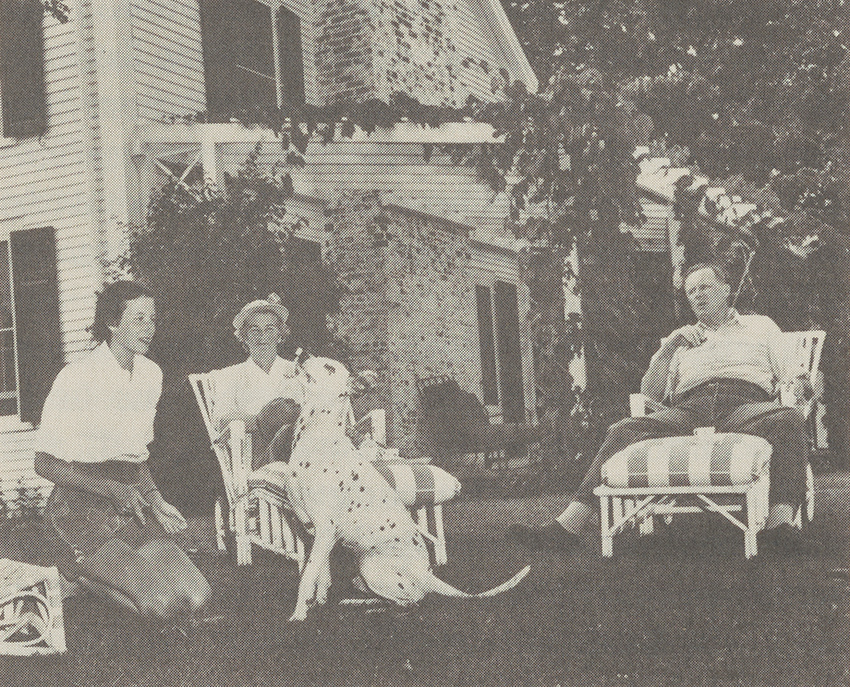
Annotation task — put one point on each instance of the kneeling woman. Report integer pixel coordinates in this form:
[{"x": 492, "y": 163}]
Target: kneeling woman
[{"x": 92, "y": 444}]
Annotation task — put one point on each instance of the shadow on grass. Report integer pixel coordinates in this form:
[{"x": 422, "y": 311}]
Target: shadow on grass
[{"x": 679, "y": 608}]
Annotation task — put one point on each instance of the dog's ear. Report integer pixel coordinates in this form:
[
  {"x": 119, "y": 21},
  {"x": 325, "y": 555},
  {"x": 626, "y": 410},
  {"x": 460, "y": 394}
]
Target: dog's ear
[{"x": 362, "y": 382}]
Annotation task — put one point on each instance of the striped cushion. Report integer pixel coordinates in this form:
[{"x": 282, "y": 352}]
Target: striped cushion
[
  {"x": 417, "y": 485},
  {"x": 694, "y": 461}
]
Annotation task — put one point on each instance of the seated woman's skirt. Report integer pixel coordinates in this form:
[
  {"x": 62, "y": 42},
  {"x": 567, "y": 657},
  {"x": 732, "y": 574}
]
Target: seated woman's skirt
[{"x": 85, "y": 521}]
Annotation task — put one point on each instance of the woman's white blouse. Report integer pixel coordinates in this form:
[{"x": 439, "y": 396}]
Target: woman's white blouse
[
  {"x": 246, "y": 387},
  {"x": 98, "y": 411}
]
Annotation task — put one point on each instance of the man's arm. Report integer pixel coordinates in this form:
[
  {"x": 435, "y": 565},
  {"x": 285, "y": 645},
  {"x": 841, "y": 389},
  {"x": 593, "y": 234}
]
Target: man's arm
[{"x": 654, "y": 382}]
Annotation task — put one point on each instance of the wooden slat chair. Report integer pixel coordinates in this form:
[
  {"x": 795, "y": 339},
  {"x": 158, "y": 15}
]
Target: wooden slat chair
[
  {"x": 456, "y": 424},
  {"x": 725, "y": 473},
  {"x": 255, "y": 511},
  {"x": 30, "y": 610}
]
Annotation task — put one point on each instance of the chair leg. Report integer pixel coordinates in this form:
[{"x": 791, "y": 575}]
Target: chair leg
[
  {"x": 220, "y": 525},
  {"x": 440, "y": 555},
  {"x": 605, "y": 526},
  {"x": 753, "y": 526},
  {"x": 243, "y": 540}
]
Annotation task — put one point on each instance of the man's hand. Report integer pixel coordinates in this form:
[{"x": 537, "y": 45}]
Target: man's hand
[
  {"x": 688, "y": 336},
  {"x": 167, "y": 515}
]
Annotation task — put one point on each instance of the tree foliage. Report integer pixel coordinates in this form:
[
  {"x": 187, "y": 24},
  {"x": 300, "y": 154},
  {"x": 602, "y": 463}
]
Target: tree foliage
[
  {"x": 756, "y": 96},
  {"x": 206, "y": 251}
]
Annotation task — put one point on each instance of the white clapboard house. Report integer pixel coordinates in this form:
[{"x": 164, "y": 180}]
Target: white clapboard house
[{"x": 88, "y": 128}]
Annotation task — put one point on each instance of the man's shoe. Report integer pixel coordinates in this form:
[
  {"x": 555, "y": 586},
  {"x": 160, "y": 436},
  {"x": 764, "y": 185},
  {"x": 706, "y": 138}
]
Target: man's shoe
[
  {"x": 551, "y": 537},
  {"x": 784, "y": 540}
]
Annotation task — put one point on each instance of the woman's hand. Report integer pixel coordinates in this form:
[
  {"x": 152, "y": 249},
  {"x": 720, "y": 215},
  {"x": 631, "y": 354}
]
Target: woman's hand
[
  {"x": 167, "y": 515},
  {"x": 127, "y": 499}
]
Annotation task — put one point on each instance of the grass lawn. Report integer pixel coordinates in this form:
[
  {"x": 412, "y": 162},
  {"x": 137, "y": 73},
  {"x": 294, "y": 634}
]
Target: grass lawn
[{"x": 682, "y": 607}]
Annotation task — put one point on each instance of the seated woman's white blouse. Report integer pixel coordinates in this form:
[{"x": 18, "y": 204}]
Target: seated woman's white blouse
[
  {"x": 98, "y": 411},
  {"x": 245, "y": 388}
]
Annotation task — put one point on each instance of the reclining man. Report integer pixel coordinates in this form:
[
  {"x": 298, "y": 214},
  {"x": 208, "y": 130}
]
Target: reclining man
[{"x": 724, "y": 372}]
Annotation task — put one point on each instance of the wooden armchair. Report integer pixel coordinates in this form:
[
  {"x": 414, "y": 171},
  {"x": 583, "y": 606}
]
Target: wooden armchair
[
  {"x": 456, "y": 423},
  {"x": 254, "y": 510},
  {"x": 721, "y": 473}
]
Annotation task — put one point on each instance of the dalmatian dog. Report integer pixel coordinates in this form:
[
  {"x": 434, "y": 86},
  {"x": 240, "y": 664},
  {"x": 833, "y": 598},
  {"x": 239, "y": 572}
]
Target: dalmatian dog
[{"x": 340, "y": 493}]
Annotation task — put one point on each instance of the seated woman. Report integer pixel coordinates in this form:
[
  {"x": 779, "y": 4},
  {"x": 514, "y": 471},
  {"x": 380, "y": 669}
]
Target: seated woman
[
  {"x": 263, "y": 390},
  {"x": 114, "y": 525}
]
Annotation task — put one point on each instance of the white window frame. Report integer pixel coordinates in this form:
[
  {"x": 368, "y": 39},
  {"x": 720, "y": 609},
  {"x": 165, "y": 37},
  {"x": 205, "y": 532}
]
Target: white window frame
[{"x": 12, "y": 421}]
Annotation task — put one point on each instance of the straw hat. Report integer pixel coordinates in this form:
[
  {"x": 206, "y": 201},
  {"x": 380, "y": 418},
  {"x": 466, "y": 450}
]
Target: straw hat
[{"x": 271, "y": 305}]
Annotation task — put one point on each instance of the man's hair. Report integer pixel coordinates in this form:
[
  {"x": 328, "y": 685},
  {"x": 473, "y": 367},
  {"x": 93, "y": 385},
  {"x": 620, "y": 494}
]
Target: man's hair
[
  {"x": 111, "y": 302},
  {"x": 719, "y": 270}
]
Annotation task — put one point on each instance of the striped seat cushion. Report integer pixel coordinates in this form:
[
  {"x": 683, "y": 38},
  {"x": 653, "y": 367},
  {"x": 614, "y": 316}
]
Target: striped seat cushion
[
  {"x": 417, "y": 484},
  {"x": 714, "y": 460}
]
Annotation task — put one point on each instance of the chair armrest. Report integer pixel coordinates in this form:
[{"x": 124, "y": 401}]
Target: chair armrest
[
  {"x": 798, "y": 393},
  {"x": 240, "y": 455},
  {"x": 640, "y": 405}
]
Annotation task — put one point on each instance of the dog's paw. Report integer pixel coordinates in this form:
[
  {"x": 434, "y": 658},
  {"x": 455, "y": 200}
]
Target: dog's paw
[{"x": 299, "y": 615}]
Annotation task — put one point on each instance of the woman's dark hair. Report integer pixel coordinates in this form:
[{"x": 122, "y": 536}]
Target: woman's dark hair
[
  {"x": 719, "y": 270},
  {"x": 111, "y": 302}
]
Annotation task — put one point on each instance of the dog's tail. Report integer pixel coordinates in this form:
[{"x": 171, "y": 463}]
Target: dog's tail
[{"x": 444, "y": 589}]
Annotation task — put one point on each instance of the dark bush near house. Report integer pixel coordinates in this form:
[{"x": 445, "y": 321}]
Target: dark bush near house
[{"x": 205, "y": 252}]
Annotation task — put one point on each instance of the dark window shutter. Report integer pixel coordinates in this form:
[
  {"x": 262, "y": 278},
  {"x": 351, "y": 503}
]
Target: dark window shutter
[
  {"x": 24, "y": 110},
  {"x": 489, "y": 380},
  {"x": 37, "y": 333},
  {"x": 291, "y": 56},
  {"x": 219, "y": 57},
  {"x": 238, "y": 47},
  {"x": 510, "y": 356}
]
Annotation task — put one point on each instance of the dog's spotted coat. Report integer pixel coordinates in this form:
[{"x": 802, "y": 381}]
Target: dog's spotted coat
[{"x": 340, "y": 493}]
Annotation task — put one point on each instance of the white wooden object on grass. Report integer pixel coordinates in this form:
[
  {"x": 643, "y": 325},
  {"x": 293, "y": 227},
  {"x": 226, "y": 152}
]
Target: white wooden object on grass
[
  {"x": 30, "y": 610},
  {"x": 744, "y": 503}
]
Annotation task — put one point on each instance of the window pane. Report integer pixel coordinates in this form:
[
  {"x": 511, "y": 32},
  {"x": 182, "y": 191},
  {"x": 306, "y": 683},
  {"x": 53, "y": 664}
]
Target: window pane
[
  {"x": 238, "y": 46},
  {"x": 252, "y": 31},
  {"x": 510, "y": 356},
  {"x": 5, "y": 289},
  {"x": 489, "y": 381},
  {"x": 8, "y": 376}
]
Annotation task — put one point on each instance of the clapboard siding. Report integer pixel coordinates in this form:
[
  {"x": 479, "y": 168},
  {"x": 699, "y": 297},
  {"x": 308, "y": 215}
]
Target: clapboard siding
[
  {"x": 398, "y": 169},
  {"x": 45, "y": 182},
  {"x": 167, "y": 58},
  {"x": 478, "y": 47}
]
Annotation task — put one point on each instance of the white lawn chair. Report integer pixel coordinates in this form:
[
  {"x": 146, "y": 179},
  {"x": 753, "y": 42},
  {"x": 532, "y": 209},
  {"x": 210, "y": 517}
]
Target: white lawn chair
[
  {"x": 30, "y": 610},
  {"x": 717, "y": 473},
  {"x": 255, "y": 510}
]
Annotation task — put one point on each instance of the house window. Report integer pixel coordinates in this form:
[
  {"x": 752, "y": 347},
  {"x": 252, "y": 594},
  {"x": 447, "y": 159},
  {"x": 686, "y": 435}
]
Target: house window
[
  {"x": 8, "y": 357},
  {"x": 30, "y": 349},
  {"x": 23, "y": 112},
  {"x": 501, "y": 356},
  {"x": 252, "y": 56},
  {"x": 487, "y": 345}
]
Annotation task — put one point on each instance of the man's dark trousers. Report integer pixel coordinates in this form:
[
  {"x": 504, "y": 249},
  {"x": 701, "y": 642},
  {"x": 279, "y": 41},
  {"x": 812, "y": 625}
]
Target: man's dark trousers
[{"x": 728, "y": 406}]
